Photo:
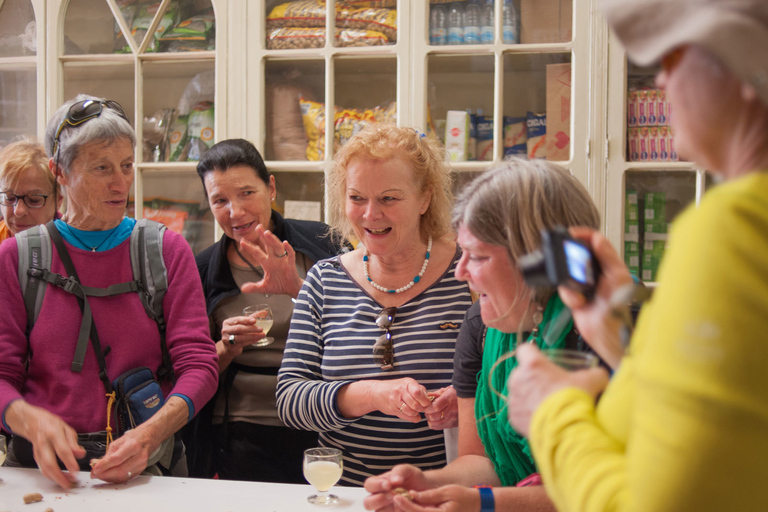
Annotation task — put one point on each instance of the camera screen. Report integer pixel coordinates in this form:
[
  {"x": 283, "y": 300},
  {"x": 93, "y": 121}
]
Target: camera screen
[{"x": 579, "y": 258}]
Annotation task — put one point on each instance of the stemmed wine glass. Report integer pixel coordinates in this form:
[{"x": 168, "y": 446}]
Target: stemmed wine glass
[
  {"x": 264, "y": 319},
  {"x": 322, "y": 469},
  {"x": 3, "y": 449}
]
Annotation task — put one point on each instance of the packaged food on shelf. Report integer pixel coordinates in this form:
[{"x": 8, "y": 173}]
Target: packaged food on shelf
[
  {"x": 536, "y": 125},
  {"x": 177, "y": 138},
  {"x": 649, "y": 137},
  {"x": 472, "y": 141},
  {"x": 284, "y": 38},
  {"x": 286, "y": 139},
  {"x": 368, "y": 3},
  {"x": 188, "y": 218},
  {"x": 653, "y": 252},
  {"x": 632, "y": 257},
  {"x": 655, "y": 207},
  {"x": 311, "y": 13},
  {"x": 142, "y": 19},
  {"x": 484, "y": 138},
  {"x": 200, "y": 133},
  {"x": 631, "y": 212},
  {"x": 457, "y": 135},
  {"x": 156, "y": 135},
  {"x": 196, "y": 28},
  {"x": 510, "y": 23},
  {"x": 546, "y": 21},
  {"x": 558, "y": 86},
  {"x": 347, "y": 122},
  {"x": 515, "y": 136}
]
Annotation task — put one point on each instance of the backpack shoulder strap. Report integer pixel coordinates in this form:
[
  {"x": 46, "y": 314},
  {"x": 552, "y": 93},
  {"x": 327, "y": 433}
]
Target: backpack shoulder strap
[
  {"x": 34, "y": 245},
  {"x": 149, "y": 270}
]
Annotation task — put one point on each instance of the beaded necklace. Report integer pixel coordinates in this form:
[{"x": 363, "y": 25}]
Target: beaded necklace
[{"x": 403, "y": 288}]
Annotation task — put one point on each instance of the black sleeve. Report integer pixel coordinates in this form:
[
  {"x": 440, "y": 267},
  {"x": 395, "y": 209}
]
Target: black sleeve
[{"x": 468, "y": 359}]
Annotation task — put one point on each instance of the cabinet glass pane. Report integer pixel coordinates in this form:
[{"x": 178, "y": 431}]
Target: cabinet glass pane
[
  {"x": 177, "y": 200},
  {"x": 300, "y": 195},
  {"x": 366, "y": 92},
  {"x": 295, "y": 92},
  {"x": 460, "y": 102},
  {"x": 537, "y": 105},
  {"x": 178, "y": 110},
  {"x": 18, "y": 105},
  {"x": 652, "y": 200},
  {"x": 545, "y": 21},
  {"x": 462, "y": 179},
  {"x": 18, "y": 31},
  {"x": 90, "y": 27},
  {"x": 111, "y": 80},
  {"x": 650, "y": 138}
]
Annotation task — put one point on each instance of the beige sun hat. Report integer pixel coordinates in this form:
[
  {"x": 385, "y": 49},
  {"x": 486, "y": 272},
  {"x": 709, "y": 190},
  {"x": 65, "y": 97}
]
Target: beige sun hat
[{"x": 735, "y": 31}]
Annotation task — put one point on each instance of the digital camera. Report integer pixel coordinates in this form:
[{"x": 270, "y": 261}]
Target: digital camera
[{"x": 561, "y": 261}]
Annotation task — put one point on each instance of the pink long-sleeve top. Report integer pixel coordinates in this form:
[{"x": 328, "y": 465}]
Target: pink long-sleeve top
[{"x": 123, "y": 325}]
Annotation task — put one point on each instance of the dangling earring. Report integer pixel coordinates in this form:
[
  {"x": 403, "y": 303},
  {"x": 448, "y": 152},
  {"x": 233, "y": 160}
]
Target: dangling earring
[{"x": 537, "y": 317}]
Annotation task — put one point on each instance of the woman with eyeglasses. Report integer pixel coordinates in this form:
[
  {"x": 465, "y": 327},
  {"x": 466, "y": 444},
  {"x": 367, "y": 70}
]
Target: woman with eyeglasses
[
  {"x": 52, "y": 394},
  {"x": 499, "y": 218},
  {"x": 682, "y": 424},
  {"x": 369, "y": 357},
  {"x": 29, "y": 194},
  {"x": 262, "y": 258}
]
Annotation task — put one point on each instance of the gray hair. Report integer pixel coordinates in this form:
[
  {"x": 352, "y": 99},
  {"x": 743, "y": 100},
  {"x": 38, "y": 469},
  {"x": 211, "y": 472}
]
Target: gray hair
[
  {"x": 107, "y": 127},
  {"x": 510, "y": 204}
]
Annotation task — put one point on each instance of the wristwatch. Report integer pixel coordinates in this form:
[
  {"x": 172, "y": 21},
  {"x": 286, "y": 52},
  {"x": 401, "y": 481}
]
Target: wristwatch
[{"x": 487, "y": 503}]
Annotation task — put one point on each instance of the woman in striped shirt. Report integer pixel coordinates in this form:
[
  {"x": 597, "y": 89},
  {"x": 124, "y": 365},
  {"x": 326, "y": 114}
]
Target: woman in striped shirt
[{"x": 369, "y": 356}]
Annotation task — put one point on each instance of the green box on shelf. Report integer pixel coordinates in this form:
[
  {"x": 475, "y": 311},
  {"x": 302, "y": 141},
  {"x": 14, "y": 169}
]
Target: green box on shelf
[
  {"x": 654, "y": 247},
  {"x": 655, "y": 207},
  {"x": 631, "y": 212},
  {"x": 631, "y": 227},
  {"x": 650, "y": 266},
  {"x": 655, "y": 227},
  {"x": 631, "y": 247}
]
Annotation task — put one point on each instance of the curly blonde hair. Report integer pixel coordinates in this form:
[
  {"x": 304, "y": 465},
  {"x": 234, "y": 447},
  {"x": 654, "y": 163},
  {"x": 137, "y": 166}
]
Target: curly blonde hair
[{"x": 426, "y": 157}]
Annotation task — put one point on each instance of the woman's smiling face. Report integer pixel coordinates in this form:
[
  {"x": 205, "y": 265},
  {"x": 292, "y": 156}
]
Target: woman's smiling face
[
  {"x": 384, "y": 205},
  {"x": 240, "y": 201}
]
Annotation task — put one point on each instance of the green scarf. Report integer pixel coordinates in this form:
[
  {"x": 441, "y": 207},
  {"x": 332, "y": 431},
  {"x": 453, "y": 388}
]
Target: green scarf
[{"x": 508, "y": 450}]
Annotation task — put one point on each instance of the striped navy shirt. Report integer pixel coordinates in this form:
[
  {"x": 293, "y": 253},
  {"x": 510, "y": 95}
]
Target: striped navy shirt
[{"x": 330, "y": 344}]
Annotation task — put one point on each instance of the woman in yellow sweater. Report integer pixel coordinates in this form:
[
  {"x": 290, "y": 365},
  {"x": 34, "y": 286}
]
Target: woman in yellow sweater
[{"x": 683, "y": 424}]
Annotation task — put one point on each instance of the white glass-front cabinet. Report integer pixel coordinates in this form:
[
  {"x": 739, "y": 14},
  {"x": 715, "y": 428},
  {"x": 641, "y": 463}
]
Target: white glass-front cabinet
[
  {"x": 381, "y": 65},
  {"x": 647, "y": 184},
  {"x": 22, "y": 69}
]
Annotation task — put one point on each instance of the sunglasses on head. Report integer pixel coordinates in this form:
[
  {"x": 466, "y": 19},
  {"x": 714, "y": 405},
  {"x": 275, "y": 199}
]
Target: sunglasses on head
[
  {"x": 83, "y": 111},
  {"x": 383, "y": 349}
]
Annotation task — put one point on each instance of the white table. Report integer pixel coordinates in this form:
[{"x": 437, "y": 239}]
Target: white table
[{"x": 164, "y": 494}]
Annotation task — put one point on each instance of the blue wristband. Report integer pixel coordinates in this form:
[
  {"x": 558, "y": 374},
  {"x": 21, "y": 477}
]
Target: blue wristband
[{"x": 487, "y": 503}]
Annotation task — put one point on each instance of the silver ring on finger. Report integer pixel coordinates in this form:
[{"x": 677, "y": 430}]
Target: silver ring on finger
[
  {"x": 402, "y": 406},
  {"x": 130, "y": 474},
  {"x": 232, "y": 339},
  {"x": 283, "y": 255}
]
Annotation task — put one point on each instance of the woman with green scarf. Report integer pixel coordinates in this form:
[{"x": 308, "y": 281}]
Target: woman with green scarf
[{"x": 499, "y": 218}]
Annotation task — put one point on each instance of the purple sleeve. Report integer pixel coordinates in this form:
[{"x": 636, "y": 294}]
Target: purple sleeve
[
  {"x": 193, "y": 353},
  {"x": 13, "y": 322}
]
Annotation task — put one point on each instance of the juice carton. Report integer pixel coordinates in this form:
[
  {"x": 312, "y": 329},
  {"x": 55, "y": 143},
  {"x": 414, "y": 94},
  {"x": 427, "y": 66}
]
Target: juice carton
[
  {"x": 644, "y": 142},
  {"x": 515, "y": 136},
  {"x": 653, "y": 119},
  {"x": 537, "y": 135},
  {"x": 484, "y": 138},
  {"x": 653, "y": 143},
  {"x": 633, "y": 140},
  {"x": 662, "y": 107},
  {"x": 664, "y": 143},
  {"x": 642, "y": 108},
  {"x": 632, "y": 108},
  {"x": 457, "y": 135}
]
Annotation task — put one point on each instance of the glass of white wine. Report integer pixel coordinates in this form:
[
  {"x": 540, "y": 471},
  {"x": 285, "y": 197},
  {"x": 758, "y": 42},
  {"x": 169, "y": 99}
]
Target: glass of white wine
[
  {"x": 322, "y": 469},
  {"x": 264, "y": 319},
  {"x": 3, "y": 449}
]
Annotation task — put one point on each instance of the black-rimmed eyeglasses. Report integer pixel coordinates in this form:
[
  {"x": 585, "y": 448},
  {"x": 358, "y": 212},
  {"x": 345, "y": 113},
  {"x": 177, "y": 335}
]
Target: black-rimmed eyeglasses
[
  {"x": 83, "y": 111},
  {"x": 383, "y": 349},
  {"x": 31, "y": 200}
]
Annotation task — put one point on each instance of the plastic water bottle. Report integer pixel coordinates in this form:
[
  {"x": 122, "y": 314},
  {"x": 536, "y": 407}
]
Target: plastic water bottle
[
  {"x": 511, "y": 34},
  {"x": 438, "y": 25},
  {"x": 472, "y": 22},
  {"x": 486, "y": 22},
  {"x": 456, "y": 23}
]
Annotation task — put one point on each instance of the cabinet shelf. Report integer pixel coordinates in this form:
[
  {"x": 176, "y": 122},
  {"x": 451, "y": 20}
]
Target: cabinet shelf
[
  {"x": 314, "y": 53},
  {"x": 481, "y": 49},
  {"x": 660, "y": 166},
  {"x": 294, "y": 166},
  {"x": 18, "y": 63},
  {"x": 158, "y": 167}
]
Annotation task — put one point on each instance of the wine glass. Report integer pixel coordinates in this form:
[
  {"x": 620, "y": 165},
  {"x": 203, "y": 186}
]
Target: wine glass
[
  {"x": 322, "y": 469},
  {"x": 3, "y": 449},
  {"x": 264, "y": 319}
]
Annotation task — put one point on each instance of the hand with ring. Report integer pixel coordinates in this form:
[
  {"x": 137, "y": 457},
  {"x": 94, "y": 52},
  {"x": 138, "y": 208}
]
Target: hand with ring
[
  {"x": 277, "y": 260},
  {"x": 444, "y": 411},
  {"x": 236, "y": 333}
]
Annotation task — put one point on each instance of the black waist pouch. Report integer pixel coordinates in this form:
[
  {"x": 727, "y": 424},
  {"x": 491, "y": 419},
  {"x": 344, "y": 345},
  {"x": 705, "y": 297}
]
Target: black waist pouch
[
  {"x": 21, "y": 454},
  {"x": 139, "y": 397}
]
